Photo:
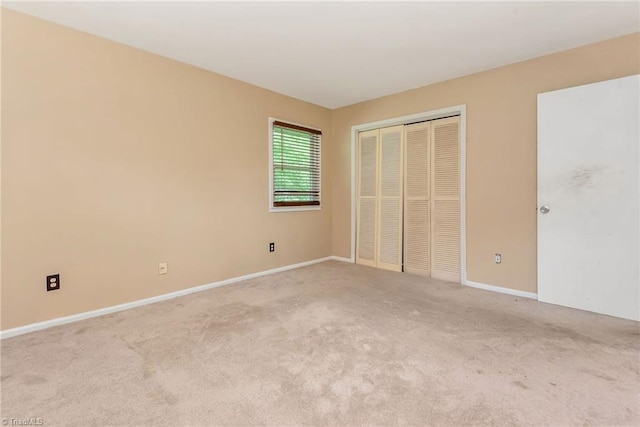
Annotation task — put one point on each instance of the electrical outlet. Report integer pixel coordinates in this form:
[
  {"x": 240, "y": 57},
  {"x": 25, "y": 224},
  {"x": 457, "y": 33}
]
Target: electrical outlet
[
  {"x": 272, "y": 247},
  {"x": 53, "y": 282},
  {"x": 162, "y": 268},
  {"x": 498, "y": 258}
]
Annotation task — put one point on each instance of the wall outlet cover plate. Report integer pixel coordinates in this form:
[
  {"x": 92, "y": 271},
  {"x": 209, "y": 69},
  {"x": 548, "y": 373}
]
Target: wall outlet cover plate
[{"x": 53, "y": 282}]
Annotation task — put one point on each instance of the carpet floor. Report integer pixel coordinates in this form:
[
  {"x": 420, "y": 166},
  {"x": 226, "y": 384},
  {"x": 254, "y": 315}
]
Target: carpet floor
[{"x": 335, "y": 344}]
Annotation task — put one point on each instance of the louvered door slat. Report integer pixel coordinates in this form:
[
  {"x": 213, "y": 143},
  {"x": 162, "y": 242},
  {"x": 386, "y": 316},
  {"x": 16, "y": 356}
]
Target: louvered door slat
[
  {"x": 390, "y": 200},
  {"x": 366, "y": 247},
  {"x": 417, "y": 237},
  {"x": 446, "y": 159},
  {"x": 367, "y": 232},
  {"x": 445, "y": 203},
  {"x": 390, "y": 220},
  {"x": 417, "y": 223},
  {"x": 446, "y": 240},
  {"x": 369, "y": 164}
]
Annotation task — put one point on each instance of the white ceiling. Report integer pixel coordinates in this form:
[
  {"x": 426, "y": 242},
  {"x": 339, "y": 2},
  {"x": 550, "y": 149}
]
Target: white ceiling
[{"x": 338, "y": 53}]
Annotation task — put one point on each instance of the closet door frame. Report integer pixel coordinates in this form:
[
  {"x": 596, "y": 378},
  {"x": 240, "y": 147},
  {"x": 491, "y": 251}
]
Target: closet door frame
[{"x": 413, "y": 118}]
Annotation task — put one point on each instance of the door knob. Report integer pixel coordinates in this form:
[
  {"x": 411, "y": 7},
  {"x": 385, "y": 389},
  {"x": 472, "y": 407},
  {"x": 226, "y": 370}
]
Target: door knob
[{"x": 544, "y": 209}]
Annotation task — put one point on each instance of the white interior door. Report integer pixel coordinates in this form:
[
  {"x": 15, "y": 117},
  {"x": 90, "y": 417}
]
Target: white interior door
[{"x": 588, "y": 178}]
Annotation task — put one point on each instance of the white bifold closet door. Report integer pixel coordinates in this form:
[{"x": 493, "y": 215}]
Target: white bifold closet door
[
  {"x": 390, "y": 200},
  {"x": 432, "y": 199},
  {"x": 408, "y": 210},
  {"x": 417, "y": 203},
  {"x": 445, "y": 199},
  {"x": 379, "y": 242},
  {"x": 367, "y": 198}
]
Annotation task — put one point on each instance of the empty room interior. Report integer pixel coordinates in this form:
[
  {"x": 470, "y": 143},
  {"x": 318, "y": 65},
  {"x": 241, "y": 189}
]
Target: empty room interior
[{"x": 320, "y": 213}]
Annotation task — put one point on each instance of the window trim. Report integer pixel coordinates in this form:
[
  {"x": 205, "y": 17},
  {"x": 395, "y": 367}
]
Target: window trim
[{"x": 273, "y": 208}]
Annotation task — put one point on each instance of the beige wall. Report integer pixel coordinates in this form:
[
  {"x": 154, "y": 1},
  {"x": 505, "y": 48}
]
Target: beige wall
[
  {"x": 114, "y": 160},
  {"x": 501, "y": 150}
]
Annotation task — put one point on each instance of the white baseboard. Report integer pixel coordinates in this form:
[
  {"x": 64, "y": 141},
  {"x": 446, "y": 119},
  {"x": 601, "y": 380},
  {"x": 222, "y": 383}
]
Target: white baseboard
[
  {"x": 502, "y": 290},
  {"x": 126, "y": 306},
  {"x": 129, "y": 305},
  {"x": 342, "y": 259}
]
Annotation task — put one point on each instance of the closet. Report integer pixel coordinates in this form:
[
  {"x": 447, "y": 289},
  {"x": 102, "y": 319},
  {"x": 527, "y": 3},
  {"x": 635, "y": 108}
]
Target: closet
[{"x": 408, "y": 198}]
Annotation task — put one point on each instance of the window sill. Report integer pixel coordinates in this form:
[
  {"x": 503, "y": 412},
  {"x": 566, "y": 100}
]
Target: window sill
[{"x": 295, "y": 208}]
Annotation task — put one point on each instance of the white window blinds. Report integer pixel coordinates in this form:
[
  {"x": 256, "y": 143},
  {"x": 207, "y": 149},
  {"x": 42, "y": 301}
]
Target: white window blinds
[{"x": 296, "y": 165}]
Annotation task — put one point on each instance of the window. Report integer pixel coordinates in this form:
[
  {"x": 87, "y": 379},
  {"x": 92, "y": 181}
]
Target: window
[{"x": 295, "y": 167}]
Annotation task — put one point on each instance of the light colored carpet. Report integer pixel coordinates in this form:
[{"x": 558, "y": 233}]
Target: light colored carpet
[{"x": 331, "y": 343}]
